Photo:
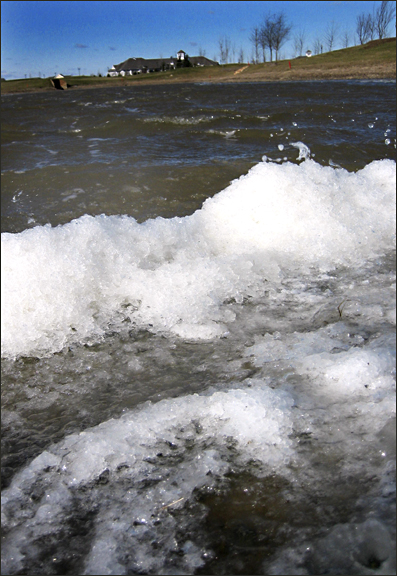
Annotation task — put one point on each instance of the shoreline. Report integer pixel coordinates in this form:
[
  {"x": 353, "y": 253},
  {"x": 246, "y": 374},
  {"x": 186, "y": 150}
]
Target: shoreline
[
  {"x": 375, "y": 60},
  {"x": 300, "y": 77}
]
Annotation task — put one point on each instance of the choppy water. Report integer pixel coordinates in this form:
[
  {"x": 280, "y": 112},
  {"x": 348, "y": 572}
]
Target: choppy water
[{"x": 198, "y": 376}]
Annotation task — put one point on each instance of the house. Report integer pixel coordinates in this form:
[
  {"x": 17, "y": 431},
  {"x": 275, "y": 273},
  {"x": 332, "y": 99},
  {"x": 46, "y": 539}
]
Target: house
[
  {"x": 181, "y": 55},
  {"x": 112, "y": 71},
  {"x": 143, "y": 65}
]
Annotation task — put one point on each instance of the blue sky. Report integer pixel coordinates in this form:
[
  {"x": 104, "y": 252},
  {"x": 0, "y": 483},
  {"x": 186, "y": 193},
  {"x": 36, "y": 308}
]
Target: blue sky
[{"x": 89, "y": 37}]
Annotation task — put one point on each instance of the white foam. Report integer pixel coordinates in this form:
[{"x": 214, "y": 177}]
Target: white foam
[
  {"x": 67, "y": 284},
  {"x": 178, "y": 120}
]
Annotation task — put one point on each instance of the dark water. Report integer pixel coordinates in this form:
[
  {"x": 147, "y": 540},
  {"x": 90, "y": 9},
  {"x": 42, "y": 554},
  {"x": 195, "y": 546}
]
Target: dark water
[
  {"x": 151, "y": 152},
  {"x": 199, "y": 389}
]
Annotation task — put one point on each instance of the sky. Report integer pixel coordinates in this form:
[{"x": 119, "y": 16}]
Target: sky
[{"x": 45, "y": 38}]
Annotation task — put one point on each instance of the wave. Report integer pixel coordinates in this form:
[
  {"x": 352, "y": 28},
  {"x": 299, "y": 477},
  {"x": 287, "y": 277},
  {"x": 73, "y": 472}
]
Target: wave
[
  {"x": 68, "y": 284},
  {"x": 179, "y": 120}
]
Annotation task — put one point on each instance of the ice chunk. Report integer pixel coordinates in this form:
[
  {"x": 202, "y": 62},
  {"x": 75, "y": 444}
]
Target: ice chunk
[
  {"x": 128, "y": 471},
  {"x": 70, "y": 283}
]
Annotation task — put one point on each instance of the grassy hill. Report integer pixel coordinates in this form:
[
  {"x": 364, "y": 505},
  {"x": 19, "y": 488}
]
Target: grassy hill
[{"x": 376, "y": 59}]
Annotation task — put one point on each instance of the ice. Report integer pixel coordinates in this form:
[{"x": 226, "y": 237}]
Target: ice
[
  {"x": 273, "y": 347},
  {"x": 138, "y": 475},
  {"x": 352, "y": 372},
  {"x": 102, "y": 558},
  {"x": 130, "y": 471},
  {"x": 304, "y": 151},
  {"x": 256, "y": 418},
  {"x": 284, "y": 266},
  {"x": 321, "y": 404},
  {"x": 71, "y": 283}
]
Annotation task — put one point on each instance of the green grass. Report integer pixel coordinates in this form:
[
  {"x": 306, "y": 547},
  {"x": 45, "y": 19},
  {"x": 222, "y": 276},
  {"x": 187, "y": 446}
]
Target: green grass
[
  {"x": 30, "y": 84},
  {"x": 375, "y": 52}
]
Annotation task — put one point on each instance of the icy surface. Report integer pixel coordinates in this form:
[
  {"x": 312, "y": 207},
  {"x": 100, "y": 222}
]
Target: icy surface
[
  {"x": 153, "y": 458},
  {"x": 285, "y": 280},
  {"x": 69, "y": 283},
  {"x": 131, "y": 487}
]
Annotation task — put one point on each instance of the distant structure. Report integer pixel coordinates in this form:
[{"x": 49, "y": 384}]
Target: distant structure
[
  {"x": 143, "y": 65},
  {"x": 59, "y": 82}
]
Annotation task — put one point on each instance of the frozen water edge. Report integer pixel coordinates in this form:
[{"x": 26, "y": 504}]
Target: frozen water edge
[
  {"x": 66, "y": 284},
  {"x": 136, "y": 494},
  {"x": 153, "y": 458},
  {"x": 130, "y": 484}
]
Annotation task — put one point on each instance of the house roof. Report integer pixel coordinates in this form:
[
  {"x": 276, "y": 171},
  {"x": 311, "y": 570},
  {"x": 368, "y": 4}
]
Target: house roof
[
  {"x": 141, "y": 63},
  {"x": 157, "y": 63},
  {"x": 202, "y": 60}
]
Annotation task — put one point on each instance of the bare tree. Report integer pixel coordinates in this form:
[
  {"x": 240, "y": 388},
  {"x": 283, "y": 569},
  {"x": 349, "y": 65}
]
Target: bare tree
[
  {"x": 360, "y": 28},
  {"x": 299, "y": 42},
  {"x": 227, "y": 49},
  {"x": 346, "y": 39},
  {"x": 282, "y": 32},
  {"x": 331, "y": 34},
  {"x": 318, "y": 47},
  {"x": 221, "y": 50},
  {"x": 371, "y": 26},
  {"x": 233, "y": 52},
  {"x": 201, "y": 51},
  {"x": 255, "y": 39},
  {"x": 383, "y": 16},
  {"x": 241, "y": 56},
  {"x": 263, "y": 45},
  {"x": 224, "y": 49},
  {"x": 267, "y": 34},
  {"x": 274, "y": 32},
  {"x": 364, "y": 27}
]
